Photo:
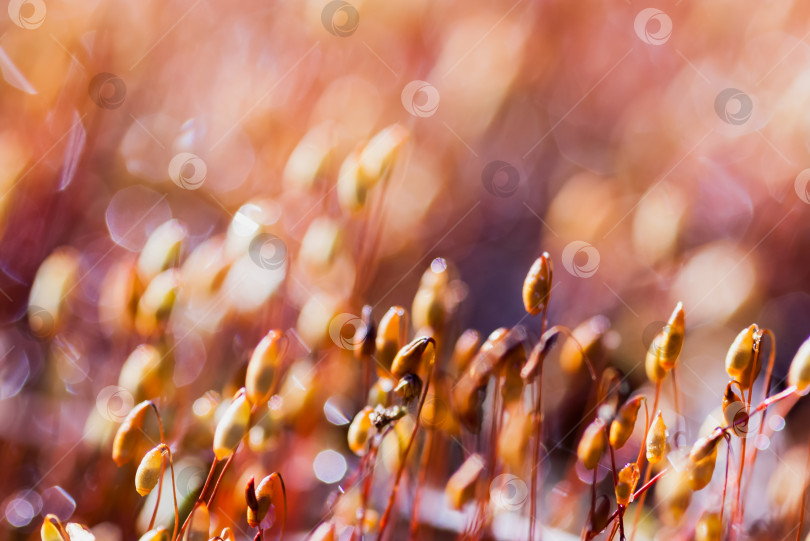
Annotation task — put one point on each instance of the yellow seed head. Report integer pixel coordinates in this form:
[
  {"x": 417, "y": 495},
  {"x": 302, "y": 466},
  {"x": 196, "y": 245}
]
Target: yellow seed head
[
  {"x": 628, "y": 478},
  {"x": 379, "y": 154},
  {"x": 199, "y": 524},
  {"x": 52, "y": 285},
  {"x": 118, "y": 297},
  {"x": 51, "y": 529},
  {"x": 733, "y": 406},
  {"x": 227, "y": 534},
  {"x": 701, "y": 464},
  {"x": 709, "y": 527},
  {"x": 263, "y": 366},
  {"x": 592, "y": 444},
  {"x": 588, "y": 335},
  {"x": 657, "y": 440},
  {"x": 157, "y": 301},
  {"x": 625, "y": 421},
  {"x": 129, "y": 434},
  {"x": 464, "y": 351},
  {"x": 740, "y": 356},
  {"x": 391, "y": 335},
  {"x": 360, "y": 431},
  {"x": 157, "y": 534},
  {"x": 162, "y": 250},
  {"x": 409, "y": 358},
  {"x": 513, "y": 440},
  {"x": 671, "y": 339},
  {"x": 321, "y": 244},
  {"x": 309, "y": 158},
  {"x": 460, "y": 488},
  {"x": 537, "y": 285},
  {"x": 148, "y": 474},
  {"x": 799, "y": 374},
  {"x": 431, "y": 304},
  {"x": 655, "y": 372},
  {"x": 232, "y": 427},
  {"x": 145, "y": 372},
  {"x": 270, "y": 491}
]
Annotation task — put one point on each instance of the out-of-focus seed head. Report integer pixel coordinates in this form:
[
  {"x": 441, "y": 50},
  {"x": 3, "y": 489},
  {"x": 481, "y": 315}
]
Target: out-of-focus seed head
[
  {"x": 78, "y": 532},
  {"x": 434, "y": 301},
  {"x": 51, "y": 529},
  {"x": 264, "y": 365},
  {"x": 146, "y": 373},
  {"x": 391, "y": 336},
  {"x": 321, "y": 243},
  {"x": 148, "y": 473},
  {"x": 253, "y": 517},
  {"x": 205, "y": 269},
  {"x": 227, "y": 534},
  {"x": 513, "y": 441},
  {"x": 621, "y": 428},
  {"x": 360, "y": 431},
  {"x": 232, "y": 427},
  {"x": 157, "y": 301},
  {"x": 162, "y": 250},
  {"x": 460, "y": 488},
  {"x": 702, "y": 459},
  {"x": 799, "y": 374},
  {"x": 657, "y": 440},
  {"x": 673, "y": 495},
  {"x": 324, "y": 532},
  {"x": 352, "y": 191},
  {"x": 592, "y": 444},
  {"x": 270, "y": 491},
  {"x": 670, "y": 340},
  {"x": 709, "y": 527},
  {"x": 409, "y": 359},
  {"x": 598, "y": 518},
  {"x": 589, "y": 336},
  {"x": 626, "y": 486},
  {"x": 703, "y": 448},
  {"x": 55, "y": 279},
  {"x": 309, "y": 158},
  {"x": 380, "y": 392},
  {"x": 365, "y": 336},
  {"x": 157, "y": 534},
  {"x": 740, "y": 357},
  {"x": 129, "y": 434},
  {"x": 655, "y": 372},
  {"x": 534, "y": 365},
  {"x": 380, "y": 153},
  {"x": 199, "y": 524},
  {"x": 465, "y": 349},
  {"x": 118, "y": 297},
  {"x": 733, "y": 406},
  {"x": 409, "y": 387},
  {"x": 537, "y": 285}
]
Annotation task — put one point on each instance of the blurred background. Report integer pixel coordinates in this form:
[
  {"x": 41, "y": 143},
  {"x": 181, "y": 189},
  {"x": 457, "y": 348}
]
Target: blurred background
[{"x": 658, "y": 151}]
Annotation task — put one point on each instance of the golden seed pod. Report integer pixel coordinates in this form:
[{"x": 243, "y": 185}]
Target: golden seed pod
[
  {"x": 51, "y": 529},
  {"x": 701, "y": 463},
  {"x": 232, "y": 427},
  {"x": 380, "y": 392},
  {"x": 157, "y": 301},
  {"x": 391, "y": 335},
  {"x": 270, "y": 491},
  {"x": 626, "y": 486},
  {"x": 430, "y": 304},
  {"x": 537, "y": 285},
  {"x": 379, "y": 154},
  {"x": 513, "y": 440},
  {"x": 129, "y": 434},
  {"x": 657, "y": 440},
  {"x": 709, "y": 527},
  {"x": 55, "y": 279},
  {"x": 592, "y": 444},
  {"x": 799, "y": 374},
  {"x": 157, "y": 534},
  {"x": 465, "y": 349},
  {"x": 309, "y": 158},
  {"x": 673, "y": 495},
  {"x": 205, "y": 269},
  {"x": 588, "y": 336},
  {"x": 655, "y": 372},
  {"x": 622, "y": 426},
  {"x": 365, "y": 336},
  {"x": 460, "y": 488},
  {"x": 199, "y": 524},
  {"x": 671, "y": 339},
  {"x": 263, "y": 366},
  {"x": 118, "y": 297},
  {"x": 227, "y": 534},
  {"x": 409, "y": 358},
  {"x": 148, "y": 474},
  {"x": 162, "y": 250},
  {"x": 352, "y": 191},
  {"x": 324, "y": 532},
  {"x": 321, "y": 243},
  {"x": 78, "y": 532},
  {"x": 145, "y": 372},
  {"x": 740, "y": 357},
  {"x": 534, "y": 365},
  {"x": 598, "y": 518},
  {"x": 360, "y": 431}
]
